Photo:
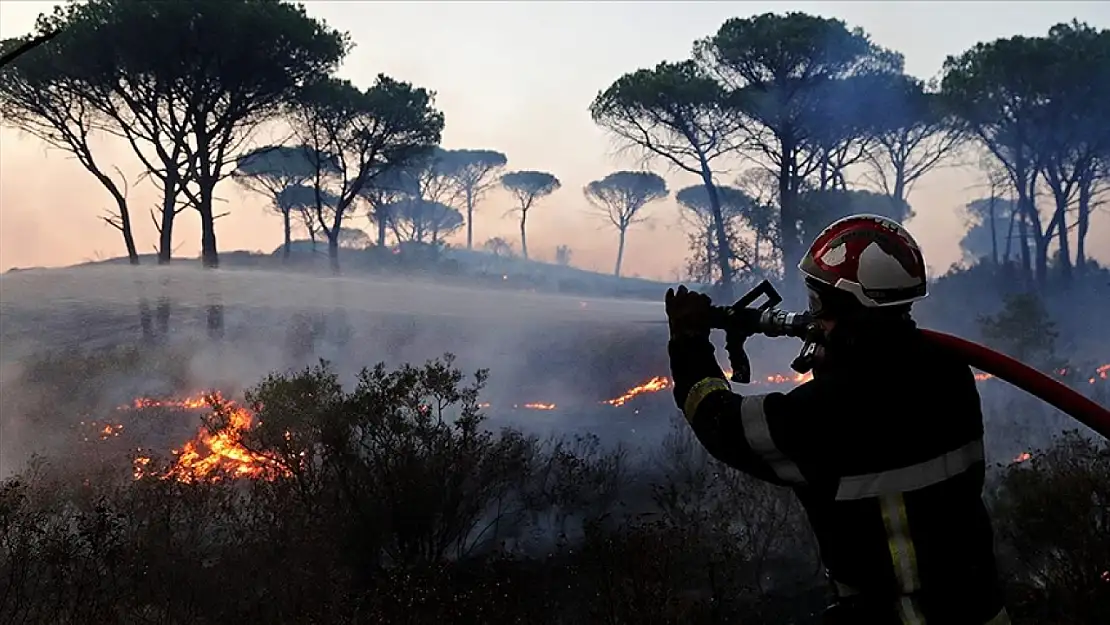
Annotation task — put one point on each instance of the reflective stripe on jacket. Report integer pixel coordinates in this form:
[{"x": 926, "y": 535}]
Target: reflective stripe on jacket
[{"x": 886, "y": 455}]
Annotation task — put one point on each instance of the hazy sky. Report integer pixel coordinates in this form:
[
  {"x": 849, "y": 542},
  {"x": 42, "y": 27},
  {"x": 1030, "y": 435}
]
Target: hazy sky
[{"x": 517, "y": 77}]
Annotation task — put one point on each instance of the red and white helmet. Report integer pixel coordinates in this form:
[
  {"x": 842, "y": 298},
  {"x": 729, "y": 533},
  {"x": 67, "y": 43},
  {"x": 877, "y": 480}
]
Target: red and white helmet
[{"x": 870, "y": 257}]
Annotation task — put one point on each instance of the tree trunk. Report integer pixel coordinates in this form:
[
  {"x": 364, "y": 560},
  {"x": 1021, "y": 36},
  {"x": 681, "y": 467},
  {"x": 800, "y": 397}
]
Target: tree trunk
[
  {"x": 1010, "y": 234},
  {"x": 1086, "y": 181},
  {"x": 84, "y": 156},
  {"x": 620, "y": 252},
  {"x": 381, "y": 230},
  {"x": 1062, "y": 241},
  {"x": 1023, "y": 249},
  {"x": 469, "y": 218},
  {"x": 169, "y": 212},
  {"x": 994, "y": 232},
  {"x": 898, "y": 194},
  {"x": 724, "y": 251},
  {"x": 125, "y": 227},
  {"x": 524, "y": 234},
  {"x": 288, "y": 225}
]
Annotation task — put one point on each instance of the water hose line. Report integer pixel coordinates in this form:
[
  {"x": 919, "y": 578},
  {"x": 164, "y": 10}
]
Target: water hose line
[{"x": 1027, "y": 379}]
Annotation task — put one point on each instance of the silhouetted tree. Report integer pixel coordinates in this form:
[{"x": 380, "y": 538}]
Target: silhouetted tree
[
  {"x": 527, "y": 187},
  {"x": 474, "y": 172},
  {"x": 170, "y": 93},
  {"x": 990, "y": 222},
  {"x": 621, "y": 196},
  {"x": 423, "y": 221},
  {"x": 38, "y": 95},
  {"x": 780, "y": 70},
  {"x": 992, "y": 89},
  {"x": 353, "y": 238},
  {"x": 913, "y": 134},
  {"x": 389, "y": 125},
  {"x": 676, "y": 113},
  {"x": 499, "y": 247},
  {"x": 395, "y": 184},
  {"x": 280, "y": 172},
  {"x": 563, "y": 255},
  {"x": 704, "y": 263}
]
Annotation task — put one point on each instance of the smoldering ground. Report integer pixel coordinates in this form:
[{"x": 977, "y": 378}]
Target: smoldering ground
[{"x": 542, "y": 351}]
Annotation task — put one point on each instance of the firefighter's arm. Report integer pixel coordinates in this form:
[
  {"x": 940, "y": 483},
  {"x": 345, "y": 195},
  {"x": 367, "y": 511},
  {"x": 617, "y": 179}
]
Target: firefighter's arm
[{"x": 734, "y": 429}]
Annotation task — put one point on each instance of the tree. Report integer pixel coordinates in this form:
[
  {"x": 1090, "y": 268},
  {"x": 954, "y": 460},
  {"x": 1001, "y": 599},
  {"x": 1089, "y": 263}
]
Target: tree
[
  {"x": 760, "y": 213},
  {"x": 563, "y": 254},
  {"x": 621, "y": 196},
  {"x": 914, "y": 133},
  {"x": 39, "y": 94},
  {"x": 302, "y": 199},
  {"x": 781, "y": 70},
  {"x": 396, "y": 184},
  {"x": 527, "y": 187},
  {"x": 499, "y": 247},
  {"x": 704, "y": 265},
  {"x": 389, "y": 125},
  {"x": 994, "y": 89},
  {"x": 474, "y": 172},
  {"x": 353, "y": 238},
  {"x": 675, "y": 113},
  {"x": 280, "y": 172},
  {"x": 988, "y": 220},
  {"x": 1073, "y": 130},
  {"x": 423, "y": 221},
  {"x": 161, "y": 73}
]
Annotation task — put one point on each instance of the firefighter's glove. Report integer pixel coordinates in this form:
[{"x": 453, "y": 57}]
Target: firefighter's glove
[{"x": 688, "y": 313}]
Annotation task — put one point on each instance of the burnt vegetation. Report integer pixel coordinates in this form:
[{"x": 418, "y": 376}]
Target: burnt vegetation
[{"x": 390, "y": 499}]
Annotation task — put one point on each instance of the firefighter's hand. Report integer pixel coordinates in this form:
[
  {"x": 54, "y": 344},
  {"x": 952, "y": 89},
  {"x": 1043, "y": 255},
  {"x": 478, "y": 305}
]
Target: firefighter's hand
[{"x": 688, "y": 313}]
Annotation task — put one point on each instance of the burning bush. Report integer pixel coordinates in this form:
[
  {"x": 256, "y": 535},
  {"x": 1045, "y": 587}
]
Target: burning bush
[
  {"x": 392, "y": 501},
  {"x": 1053, "y": 518}
]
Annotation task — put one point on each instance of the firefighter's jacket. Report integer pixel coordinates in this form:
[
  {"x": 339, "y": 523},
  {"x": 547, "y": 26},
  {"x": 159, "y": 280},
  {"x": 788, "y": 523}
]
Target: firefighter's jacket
[{"x": 884, "y": 449}]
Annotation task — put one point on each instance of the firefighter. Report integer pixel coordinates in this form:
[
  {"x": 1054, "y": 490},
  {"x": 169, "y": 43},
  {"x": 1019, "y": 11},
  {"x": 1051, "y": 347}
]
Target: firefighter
[{"x": 883, "y": 447}]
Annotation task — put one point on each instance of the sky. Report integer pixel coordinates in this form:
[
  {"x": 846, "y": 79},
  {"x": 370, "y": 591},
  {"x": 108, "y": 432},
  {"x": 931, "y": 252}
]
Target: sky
[{"x": 517, "y": 77}]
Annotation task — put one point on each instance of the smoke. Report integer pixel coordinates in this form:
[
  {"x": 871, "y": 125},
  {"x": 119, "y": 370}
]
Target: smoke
[
  {"x": 153, "y": 326},
  {"x": 569, "y": 351}
]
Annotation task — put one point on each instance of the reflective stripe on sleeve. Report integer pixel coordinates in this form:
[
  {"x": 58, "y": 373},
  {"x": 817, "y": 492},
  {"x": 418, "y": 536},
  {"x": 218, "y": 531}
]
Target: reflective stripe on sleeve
[
  {"x": 912, "y": 477},
  {"x": 902, "y": 555},
  {"x": 699, "y": 392},
  {"x": 758, "y": 433}
]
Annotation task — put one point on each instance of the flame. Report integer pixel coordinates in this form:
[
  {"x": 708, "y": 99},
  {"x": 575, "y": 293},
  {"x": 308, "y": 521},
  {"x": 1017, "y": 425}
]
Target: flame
[
  {"x": 214, "y": 455},
  {"x": 654, "y": 385},
  {"x": 659, "y": 383},
  {"x": 211, "y": 455}
]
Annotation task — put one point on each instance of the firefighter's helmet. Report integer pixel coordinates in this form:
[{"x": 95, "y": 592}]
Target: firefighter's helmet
[{"x": 872, "y": 258}]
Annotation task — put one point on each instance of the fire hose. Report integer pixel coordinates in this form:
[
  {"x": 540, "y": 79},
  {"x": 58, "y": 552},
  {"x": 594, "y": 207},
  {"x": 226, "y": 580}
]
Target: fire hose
[{"x": 775, "y": 322}]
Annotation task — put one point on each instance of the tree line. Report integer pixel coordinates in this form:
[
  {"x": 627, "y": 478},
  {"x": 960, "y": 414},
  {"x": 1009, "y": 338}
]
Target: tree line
[
  {"x": 816, "y": 121},
  {"x": 809, "y": 117}
]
